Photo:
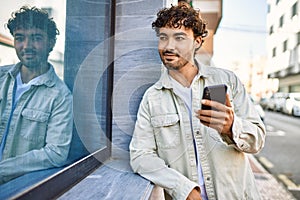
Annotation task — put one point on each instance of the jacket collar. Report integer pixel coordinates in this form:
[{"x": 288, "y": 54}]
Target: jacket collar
[
  {"x": 164, "y": 81},
  {"x": 45, "y": 79}
]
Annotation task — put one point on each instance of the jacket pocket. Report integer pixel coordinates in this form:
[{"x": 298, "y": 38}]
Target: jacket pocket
[
  {"x": 166, "y": 130},
  {"x": 34, "y": 124},
  {"x": 35, "y": 115}
]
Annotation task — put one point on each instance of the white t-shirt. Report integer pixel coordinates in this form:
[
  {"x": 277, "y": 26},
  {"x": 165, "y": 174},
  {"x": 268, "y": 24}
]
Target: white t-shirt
[
  {"x": 185, "y": 93},
  {"x": 23, "y": 87}
]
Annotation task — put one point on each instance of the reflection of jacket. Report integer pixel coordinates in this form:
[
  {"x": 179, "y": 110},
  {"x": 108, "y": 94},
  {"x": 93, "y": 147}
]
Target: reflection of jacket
[
  {"x": 40, "y": 131},
  {"x": 162, "y": 147}
]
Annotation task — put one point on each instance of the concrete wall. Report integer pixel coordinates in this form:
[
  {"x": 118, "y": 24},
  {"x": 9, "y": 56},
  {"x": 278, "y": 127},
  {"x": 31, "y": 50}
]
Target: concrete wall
[{"x": 136, "y": 67}]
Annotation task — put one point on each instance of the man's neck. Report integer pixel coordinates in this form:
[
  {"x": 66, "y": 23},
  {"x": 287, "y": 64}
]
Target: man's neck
[
  {"x": 185, "y": 76},
  {"x": 27, "y": 74}
]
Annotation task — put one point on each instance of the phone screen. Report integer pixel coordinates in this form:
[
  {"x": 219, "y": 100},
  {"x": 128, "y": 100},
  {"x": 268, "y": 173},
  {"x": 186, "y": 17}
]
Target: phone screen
[{"x": 214, "y": 93}]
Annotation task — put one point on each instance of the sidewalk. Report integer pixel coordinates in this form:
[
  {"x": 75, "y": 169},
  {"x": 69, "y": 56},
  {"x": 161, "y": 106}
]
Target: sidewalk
[{"x": 268, "y": 186}]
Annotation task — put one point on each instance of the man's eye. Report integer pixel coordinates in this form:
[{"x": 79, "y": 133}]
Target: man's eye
[
  {"x": 37, "y": 38},
  {"x": 163, "y": 38},
  {"x": 179, "y": 38},
  {"x": 19, "y": 39}
]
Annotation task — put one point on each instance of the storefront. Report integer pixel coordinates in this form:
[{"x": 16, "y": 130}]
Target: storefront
[{"x": 289, "y": 79}]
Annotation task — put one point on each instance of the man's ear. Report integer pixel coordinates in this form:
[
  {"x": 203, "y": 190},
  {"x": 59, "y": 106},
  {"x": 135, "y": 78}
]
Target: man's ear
[
  {"x": 51, "y": 44},
  {"x": 198, "y": 42}
]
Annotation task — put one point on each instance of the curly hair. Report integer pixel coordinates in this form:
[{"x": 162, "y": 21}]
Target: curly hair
[
  {"x": 177, "y": 16},
  {"x": 33, "y": 17}
]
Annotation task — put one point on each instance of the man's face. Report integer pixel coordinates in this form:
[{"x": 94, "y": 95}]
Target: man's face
[
  {"x": 32, "y": 47},
  {"x": 177, "y": 47}
]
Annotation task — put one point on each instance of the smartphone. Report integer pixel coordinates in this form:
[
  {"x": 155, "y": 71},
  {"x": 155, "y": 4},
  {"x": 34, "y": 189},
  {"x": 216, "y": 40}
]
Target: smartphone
[{"x": 214, "y": 93}]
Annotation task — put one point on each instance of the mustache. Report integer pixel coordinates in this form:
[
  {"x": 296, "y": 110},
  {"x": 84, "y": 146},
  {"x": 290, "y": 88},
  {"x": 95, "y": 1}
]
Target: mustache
[
  {"x": 28, "y": 51},
  {"x": 167, "y": 52}
]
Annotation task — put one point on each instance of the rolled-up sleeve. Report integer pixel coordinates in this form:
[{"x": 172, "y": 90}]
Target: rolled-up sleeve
[{"x": 248, "y": 129}]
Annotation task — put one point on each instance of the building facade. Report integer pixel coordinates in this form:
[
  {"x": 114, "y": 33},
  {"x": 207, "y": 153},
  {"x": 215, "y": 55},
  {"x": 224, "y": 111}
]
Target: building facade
[
  {"x": 283, "y": 44},
  {"x": 211, "y": 12}
]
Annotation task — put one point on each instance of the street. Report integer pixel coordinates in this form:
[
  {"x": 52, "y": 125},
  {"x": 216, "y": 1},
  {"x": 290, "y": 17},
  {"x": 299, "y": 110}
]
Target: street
[{"x": 281, "y": 153}]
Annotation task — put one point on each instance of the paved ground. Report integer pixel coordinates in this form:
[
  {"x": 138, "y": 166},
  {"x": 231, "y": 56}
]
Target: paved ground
[{"x": 269, "y": 187}]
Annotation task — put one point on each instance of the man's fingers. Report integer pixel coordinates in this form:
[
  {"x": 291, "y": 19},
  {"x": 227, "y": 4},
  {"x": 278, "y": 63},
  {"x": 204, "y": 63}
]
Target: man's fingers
[
  {"x": 227, "y": 101},
  {"x": 214, "y": 104}
]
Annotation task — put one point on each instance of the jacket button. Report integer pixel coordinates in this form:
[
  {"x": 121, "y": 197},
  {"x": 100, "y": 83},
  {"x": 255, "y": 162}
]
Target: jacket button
[{"x": 197, "y": 132}]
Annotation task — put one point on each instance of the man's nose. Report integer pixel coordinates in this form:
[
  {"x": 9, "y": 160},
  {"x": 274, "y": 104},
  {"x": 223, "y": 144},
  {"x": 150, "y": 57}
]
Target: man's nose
[
  {"x": 27, "y": 43},
  {"x": 170, "y": 45}
]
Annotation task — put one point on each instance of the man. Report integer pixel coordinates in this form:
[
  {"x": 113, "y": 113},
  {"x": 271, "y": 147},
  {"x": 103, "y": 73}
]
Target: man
[
  {"x": 194, "y": 153},
  {"x": 35, "y": 105}
]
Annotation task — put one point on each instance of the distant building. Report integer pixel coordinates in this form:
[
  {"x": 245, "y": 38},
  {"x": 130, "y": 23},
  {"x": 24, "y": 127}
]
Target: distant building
[
  {"x": 8, "y": 55},
  {"x": 211, "y": 12},
  {"x": 283, "y": 44}
]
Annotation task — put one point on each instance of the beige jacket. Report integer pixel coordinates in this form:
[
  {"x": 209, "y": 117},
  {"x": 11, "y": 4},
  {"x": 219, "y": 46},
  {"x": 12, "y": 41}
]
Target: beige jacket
[
  {"x": 162, "y": 148},
  {"x": 40, "y": 130}
]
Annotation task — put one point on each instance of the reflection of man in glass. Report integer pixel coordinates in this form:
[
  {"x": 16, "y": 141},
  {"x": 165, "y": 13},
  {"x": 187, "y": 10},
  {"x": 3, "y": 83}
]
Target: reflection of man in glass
[{"x": 35, "y": 105}]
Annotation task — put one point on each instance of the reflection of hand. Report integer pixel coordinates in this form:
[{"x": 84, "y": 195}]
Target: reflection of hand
[
  {"x": 220, "y": 119},
  {"x": 194, "y": 195}
]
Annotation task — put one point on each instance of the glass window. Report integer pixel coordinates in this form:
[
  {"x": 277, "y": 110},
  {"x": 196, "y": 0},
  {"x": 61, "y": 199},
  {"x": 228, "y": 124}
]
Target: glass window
[
  {"x": 82, "y": 58},
  {"x": 285, "y": 44},
  {"x": 294, "y": 9},
  {"x": 274, "y": 52},
  {"x": 295, "y": 88},
  {"x": 281, "y": 20},
  {"x": 271, "y": 30}
]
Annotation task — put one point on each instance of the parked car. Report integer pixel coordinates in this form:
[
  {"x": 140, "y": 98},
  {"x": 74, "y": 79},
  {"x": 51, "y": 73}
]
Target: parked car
[
  {"x": 276, "y": 101},
  {"x": 291, "y": 105},
  {"x": 259, "y": 109},
  {"x": 264, "y": 102}
]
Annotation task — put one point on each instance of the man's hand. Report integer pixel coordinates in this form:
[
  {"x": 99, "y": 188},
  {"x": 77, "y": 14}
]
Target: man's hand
[
  {"x": 194, "y": 195},
  {"x": 220, "y": 119}
]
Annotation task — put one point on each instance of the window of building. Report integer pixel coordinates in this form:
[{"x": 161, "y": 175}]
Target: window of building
[
  {"x": 298, "y": 38},
  {"x": 285, "y": 44},
  {"x": 295, "y": 88},
  {"x": 281, "y": 20},
  {"x": 271, "y": 30},
  {"x": 274, "y": 52},
  {"x": 269, "y": 8},
  {"x": 294, "y": 9},
  {"x": 277, "y": 1}
]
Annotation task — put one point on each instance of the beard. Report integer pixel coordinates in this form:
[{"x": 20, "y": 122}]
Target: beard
[
  {"x": 173, "y": 60},
  {"x": 36, "y": 61}
]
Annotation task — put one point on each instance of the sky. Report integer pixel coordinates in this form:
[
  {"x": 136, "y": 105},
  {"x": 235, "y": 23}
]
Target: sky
[{"x": 242, "y": 32}]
